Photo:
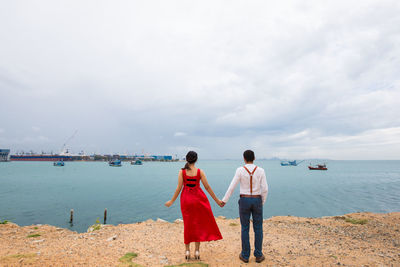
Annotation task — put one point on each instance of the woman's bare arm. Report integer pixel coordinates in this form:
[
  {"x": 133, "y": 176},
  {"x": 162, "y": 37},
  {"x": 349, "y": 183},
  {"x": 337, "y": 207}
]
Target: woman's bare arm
[
  {"x": 208, "y": 188},
  {"x": 177, "y": 191}
]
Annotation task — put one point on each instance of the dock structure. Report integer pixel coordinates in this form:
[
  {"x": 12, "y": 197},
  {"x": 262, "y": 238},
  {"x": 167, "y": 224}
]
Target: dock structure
[
  {"x": 4, "y": 154},
  {"x": 32, "y": 156}
]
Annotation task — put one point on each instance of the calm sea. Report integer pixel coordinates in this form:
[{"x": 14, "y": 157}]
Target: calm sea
[{"x": 39, "y": 193}]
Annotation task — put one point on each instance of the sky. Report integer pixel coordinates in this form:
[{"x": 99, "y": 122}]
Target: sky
[{"x": 287, "y": 79}]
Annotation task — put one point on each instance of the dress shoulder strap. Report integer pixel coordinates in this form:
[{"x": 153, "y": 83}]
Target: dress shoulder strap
[
  {"x": 198, "y": 173},
  {"x": 184, "y": 173}
]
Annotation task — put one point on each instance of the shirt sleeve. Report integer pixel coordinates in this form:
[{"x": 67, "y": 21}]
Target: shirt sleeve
[
  {"x": 231, "y": 187},
  {"x": 264, "y": 187}
]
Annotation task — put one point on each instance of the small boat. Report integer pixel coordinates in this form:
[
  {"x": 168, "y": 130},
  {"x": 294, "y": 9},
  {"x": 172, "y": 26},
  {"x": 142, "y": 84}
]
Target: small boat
[
  {"x": 321, "y": 167},
  {"x": 136, "y": 162},
  {"x": 115, "y": 163},
  {"x": 290, "y": 163},
  {"x": 59, "y": 163}
]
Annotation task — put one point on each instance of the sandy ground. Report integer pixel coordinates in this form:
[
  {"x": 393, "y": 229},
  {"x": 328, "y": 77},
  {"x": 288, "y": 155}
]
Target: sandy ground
[{"x": 288, "y": 241}]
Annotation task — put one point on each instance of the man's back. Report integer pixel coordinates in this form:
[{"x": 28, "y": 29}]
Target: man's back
[{"x": 259, "y": 182}]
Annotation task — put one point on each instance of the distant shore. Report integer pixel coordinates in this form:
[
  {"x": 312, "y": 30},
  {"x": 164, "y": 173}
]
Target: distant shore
[{"x": 355, "y": 239}]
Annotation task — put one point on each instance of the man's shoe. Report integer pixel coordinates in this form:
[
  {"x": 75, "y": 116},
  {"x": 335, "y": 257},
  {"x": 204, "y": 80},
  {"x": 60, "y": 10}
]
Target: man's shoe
[
  {"x": 243, "y": 259},
  {"x": 260, "y": 259}
]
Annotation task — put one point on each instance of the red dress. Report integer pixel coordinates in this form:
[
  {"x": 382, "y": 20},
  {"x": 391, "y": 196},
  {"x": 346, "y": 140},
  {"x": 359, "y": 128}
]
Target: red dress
[{"x": 198, "y": 219}]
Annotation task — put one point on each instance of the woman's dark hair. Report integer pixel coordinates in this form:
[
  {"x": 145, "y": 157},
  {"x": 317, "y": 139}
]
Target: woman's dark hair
[
  {"x": 248, "y": 155},
  {"x": 191, "y": 157}
]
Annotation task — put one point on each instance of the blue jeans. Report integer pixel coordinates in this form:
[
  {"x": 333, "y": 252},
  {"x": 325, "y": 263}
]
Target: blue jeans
[{"x": 254, "y": 207}]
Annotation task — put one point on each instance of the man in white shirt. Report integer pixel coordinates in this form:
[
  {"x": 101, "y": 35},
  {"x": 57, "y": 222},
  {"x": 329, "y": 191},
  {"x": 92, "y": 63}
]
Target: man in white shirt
[{"x": 253, "y": 193}]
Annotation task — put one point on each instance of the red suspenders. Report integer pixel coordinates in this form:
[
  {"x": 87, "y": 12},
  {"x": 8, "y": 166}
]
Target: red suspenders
[{"x": 251, "y": 178}]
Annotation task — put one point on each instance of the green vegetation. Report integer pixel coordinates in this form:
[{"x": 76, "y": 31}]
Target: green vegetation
[
  {"x": 333, "y": 256},
  {"x": 128, "y": 257},
  {"x": 33, "y": 235},
  {"x": 96, "y": 226},
  {"x": 127, "y": 260},
  {"x": 356, "y": 221},
  {"x": 233, "y": 224},
  {"x": 35, "y": 227},
  {"x": 196, "y": 264},
  {"x": 4, "y": 222}
]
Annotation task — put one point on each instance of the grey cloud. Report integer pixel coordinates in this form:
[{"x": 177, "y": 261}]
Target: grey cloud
[{"x": 286, "y": 78}]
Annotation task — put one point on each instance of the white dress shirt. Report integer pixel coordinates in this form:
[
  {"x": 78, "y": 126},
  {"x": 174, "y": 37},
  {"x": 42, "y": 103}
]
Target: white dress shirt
[{"x": 260, "y": 186}]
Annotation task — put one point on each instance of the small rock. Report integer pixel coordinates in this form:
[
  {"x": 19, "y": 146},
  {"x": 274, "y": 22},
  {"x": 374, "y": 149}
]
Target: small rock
[
  {"x": 38, "y": 241},
  {"x": 178, "y": 221},
  {"x": 163, "y": 260},
  {"x": 161, "y": 220},
  {"x": 112, "y": 238},
  {"x": 221, "y": 217}
]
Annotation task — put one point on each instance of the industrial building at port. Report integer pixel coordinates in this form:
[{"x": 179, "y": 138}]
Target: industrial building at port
[
  {"x": 4, "y": 156},
  {"x": 132, "y": 157}
]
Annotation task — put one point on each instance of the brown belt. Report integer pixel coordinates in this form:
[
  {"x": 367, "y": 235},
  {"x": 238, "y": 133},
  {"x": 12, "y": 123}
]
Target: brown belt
[{"x": 253, "y": 196}]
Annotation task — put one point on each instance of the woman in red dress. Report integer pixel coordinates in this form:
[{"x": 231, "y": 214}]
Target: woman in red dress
[{"x": 198, "y": 219}]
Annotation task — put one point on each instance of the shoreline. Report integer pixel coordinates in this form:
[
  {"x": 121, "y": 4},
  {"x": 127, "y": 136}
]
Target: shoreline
[{"x": 353, "y": 239}]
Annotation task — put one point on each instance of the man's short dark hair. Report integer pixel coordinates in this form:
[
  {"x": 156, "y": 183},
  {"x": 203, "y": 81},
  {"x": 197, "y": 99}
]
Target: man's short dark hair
[{"x": 248, "y": 155}]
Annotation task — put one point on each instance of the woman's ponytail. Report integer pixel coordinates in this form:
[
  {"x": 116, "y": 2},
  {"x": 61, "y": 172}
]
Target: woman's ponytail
[{"x": 186, "y": 166}]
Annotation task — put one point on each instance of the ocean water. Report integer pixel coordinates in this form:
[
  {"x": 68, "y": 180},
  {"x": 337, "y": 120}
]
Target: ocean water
[{"x": 39, "y": 193}]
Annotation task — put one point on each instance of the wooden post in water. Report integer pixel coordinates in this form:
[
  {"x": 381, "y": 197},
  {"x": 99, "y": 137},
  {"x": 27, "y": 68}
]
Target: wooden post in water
[
  {"x": 71, "y": 218},
  {"x": 105, "y": 216}
]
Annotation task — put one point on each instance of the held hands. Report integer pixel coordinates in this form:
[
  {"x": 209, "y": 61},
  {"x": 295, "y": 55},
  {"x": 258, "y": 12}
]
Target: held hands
[
  {"x": 220, "y": 203},
  {"x": 168, "y": 203}
]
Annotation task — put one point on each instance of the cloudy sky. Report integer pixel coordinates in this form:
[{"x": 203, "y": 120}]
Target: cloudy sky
[{"x": 289, "y": 79}]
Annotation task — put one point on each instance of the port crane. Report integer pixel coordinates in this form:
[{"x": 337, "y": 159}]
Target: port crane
[{"x": 63, "y": 149}]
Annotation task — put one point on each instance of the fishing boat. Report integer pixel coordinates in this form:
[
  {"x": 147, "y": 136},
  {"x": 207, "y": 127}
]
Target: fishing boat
[
  {"x": 321, "y": 167},
  {"x": 115, "y": 163},
  {"x": 59, "y": 163},
  {"x": 136, "y": 162},
  {"x": 290, "y": 163}
]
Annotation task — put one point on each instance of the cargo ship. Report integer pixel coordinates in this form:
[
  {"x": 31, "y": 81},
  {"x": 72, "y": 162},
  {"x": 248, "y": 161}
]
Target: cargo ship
[
  {"x": 40, "y": 157},
  {"x": 63, "y": 156}
]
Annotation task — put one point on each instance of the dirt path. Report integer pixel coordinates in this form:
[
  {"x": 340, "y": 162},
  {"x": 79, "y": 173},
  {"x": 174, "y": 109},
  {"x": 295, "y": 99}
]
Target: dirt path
[{"x": 288, "y": 241}]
